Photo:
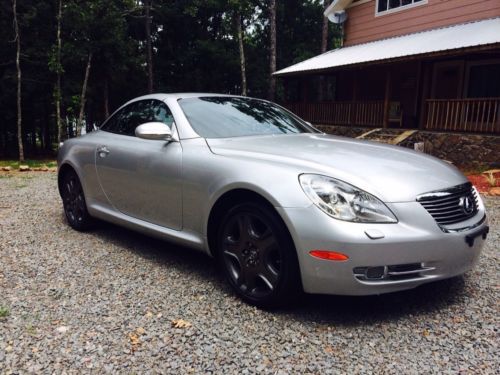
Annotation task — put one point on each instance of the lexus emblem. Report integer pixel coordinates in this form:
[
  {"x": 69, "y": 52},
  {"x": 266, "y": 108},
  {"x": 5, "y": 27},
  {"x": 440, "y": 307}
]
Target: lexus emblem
[{"x": 466, "y": 205}]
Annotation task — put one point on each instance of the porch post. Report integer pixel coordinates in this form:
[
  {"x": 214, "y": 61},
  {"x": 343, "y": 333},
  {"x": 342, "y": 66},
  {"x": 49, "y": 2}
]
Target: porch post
[
  {"x": 304, "y": 89},
  {"x": 387, "y": 98},
  {"x": 353, "y": 106},
  {"x": 424, "y": 95}
]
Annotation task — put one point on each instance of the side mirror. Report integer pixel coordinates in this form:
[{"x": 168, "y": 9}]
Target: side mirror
[{"x": 154, "y": 130}]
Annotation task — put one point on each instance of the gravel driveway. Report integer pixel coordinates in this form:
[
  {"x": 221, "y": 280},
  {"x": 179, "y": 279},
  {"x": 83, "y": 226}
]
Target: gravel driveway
[{"x": 105, "y": 301}]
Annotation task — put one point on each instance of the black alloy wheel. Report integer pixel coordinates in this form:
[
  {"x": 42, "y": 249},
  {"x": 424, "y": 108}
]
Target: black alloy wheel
[
  {"x": 74, "y": 204},
  {"x": 257, "y": 255}
]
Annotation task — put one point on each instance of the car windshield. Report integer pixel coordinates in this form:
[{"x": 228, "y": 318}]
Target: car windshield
[{"x": 222, "y": 117}]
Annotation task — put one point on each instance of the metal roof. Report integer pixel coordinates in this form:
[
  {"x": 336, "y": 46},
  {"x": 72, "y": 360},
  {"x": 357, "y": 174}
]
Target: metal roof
[{"x": 443, "y": 39}]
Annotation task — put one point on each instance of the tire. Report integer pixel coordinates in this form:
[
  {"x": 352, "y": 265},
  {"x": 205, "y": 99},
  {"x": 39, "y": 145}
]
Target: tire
[
  {"x": 75, "y": 206},
  {"x": 257, "y": 255}
]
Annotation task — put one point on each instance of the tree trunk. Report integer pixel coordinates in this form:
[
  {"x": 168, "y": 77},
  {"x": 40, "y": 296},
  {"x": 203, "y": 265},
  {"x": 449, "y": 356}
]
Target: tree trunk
[
  {"x": 324, "y": 47},
  {"x": 149, "y": 48},
  {"x": 47, "y": 141},
  {"x": 106, "y": 98},
  {"x": 57, "y": 92},
  {"x": 272, "y": 49},
  {"x": 242, "y": 55},
  {"x": 324, "y": 33},
  {"x": 18, "y": 69},
  {"x": 83, "y": 96}
]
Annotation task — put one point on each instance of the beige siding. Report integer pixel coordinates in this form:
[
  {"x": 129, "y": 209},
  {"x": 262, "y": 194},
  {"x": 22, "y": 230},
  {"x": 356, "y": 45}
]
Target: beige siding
[{"x": 363, "y": 26}]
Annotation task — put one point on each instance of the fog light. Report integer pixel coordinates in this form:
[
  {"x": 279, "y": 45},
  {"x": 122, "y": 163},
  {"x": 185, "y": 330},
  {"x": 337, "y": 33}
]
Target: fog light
[
  {"x": 375, "y": 272},
  {"x": 328, "y": 255}
]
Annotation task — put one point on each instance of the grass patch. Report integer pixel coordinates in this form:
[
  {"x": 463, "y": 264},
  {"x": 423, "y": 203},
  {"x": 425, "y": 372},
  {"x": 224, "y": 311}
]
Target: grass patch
[
  {"x": 31, "y": 163},
  {"x": 4, "y": 312}
]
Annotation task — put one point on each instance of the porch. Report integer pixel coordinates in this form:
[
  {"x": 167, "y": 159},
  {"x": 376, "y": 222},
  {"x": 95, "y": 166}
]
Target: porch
[
  {"x": 429, "y": 80},
  {"x": 474, "y": 115}
]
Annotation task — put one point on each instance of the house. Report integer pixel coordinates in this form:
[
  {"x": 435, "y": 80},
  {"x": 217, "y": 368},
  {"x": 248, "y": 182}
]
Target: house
[{"x": 411, "y": 64}]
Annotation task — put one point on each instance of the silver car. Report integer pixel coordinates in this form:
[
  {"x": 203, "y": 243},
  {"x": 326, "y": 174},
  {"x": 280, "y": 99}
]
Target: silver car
[{"x": 283, "y": 207}]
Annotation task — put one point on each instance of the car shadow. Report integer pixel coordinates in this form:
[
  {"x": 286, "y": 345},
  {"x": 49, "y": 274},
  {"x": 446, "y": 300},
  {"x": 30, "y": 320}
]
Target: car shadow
[
  {"x": 323, "y": 309},
  {"x": 164, "y": 253},
  {"x": 358, "y": 310}
]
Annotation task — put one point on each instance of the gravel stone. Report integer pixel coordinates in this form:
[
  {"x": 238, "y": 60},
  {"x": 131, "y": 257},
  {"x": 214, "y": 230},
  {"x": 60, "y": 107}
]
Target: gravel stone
[{"x": 104, "y": 302}]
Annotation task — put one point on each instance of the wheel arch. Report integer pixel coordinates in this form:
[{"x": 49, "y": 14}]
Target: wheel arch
[
  {"x": 63, "y": 170},
  {"x": 227, "y": 200}
]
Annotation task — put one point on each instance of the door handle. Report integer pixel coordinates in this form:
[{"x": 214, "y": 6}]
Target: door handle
[{"x": 102, "y": 151}]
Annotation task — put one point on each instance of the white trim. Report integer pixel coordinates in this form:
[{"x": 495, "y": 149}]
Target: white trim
[
  {"x": 398, "y": 9},
  {"x": 356, "y": 3},
  {"x": 336, "y": 5}
]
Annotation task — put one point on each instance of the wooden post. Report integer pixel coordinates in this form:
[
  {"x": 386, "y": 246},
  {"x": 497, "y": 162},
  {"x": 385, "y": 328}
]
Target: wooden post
[
  {"x": 353, "y": 106},
  {"x": 304, "y": 89},
  {"x": 424, "y": 95},
  {"x": 387, "y": 98}
]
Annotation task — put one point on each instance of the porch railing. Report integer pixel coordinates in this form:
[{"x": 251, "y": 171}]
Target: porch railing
[
  {"x": 366, "y": 113},
  {"x": 464, "y": 115}
]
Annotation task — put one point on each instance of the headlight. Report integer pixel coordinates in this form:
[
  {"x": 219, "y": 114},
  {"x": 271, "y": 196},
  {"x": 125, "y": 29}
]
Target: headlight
[{"x": 343, "y": 201}]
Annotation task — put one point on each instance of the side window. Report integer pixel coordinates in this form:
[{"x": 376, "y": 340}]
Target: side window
[
  {"x": 161, "y": 113},
  {"x": 111, "y": 123},
  {"x": 133, "y": 115},
  {"x": 127, "y": 119}
]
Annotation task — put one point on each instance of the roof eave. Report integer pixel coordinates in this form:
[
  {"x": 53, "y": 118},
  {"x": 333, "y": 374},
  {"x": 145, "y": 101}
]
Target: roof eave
[{"x": 336, "y": 5}]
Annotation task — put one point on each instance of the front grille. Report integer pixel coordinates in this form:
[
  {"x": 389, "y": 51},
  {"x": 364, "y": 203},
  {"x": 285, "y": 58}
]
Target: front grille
[{"x": 451, "y": 206}]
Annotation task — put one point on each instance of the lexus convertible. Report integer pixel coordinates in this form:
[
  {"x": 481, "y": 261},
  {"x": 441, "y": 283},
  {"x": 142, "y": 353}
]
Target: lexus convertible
[{"x": 281, "y": 206}]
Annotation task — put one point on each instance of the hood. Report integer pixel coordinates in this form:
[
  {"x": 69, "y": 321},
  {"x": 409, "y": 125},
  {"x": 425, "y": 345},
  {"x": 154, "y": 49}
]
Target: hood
[{"x": 392, "y": 173}]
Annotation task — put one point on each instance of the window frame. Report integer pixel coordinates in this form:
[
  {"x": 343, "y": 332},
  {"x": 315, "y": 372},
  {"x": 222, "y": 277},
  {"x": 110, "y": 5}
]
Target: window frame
[{"x": 398, "y": 9}]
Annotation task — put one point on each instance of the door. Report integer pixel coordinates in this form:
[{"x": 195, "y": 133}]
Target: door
[
  {"x": 447, "y": 80},
  {"x": 141, "y": 178}
]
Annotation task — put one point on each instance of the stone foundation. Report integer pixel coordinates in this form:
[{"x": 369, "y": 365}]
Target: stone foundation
[{"x": 466, "y": 151}]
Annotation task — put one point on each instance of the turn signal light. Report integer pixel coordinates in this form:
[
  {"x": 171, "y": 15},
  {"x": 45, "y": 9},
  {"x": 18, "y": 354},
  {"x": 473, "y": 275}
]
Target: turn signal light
[{"x": 329, "y": 255}]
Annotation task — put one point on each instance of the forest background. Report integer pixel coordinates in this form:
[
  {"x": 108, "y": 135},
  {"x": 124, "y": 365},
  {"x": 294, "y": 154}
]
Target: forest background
[{"x": 67, "y": 64}]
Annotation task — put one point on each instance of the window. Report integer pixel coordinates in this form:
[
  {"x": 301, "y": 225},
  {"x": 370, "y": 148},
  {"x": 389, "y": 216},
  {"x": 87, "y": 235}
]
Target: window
[
  {"x": 483, "y": 80},
  {"x": 161, "y": 113},
  {"x": 389, "y": 6},
  {"x": 127, "y": 119},
  {"x": 222, "y": 117}
]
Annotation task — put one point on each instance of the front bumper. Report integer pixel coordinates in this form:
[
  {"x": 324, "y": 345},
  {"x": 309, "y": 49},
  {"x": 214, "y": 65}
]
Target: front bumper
[{"x": 415, "y": 240}]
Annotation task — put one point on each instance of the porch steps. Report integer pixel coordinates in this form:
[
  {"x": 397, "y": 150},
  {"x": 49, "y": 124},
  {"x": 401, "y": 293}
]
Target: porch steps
[{"x": 390, "y": 136}]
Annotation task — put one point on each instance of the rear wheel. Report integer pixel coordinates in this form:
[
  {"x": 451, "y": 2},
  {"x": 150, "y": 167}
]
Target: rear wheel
[
  {"x": 75, "y": 207},
  {"x": 257, "y": 255}
]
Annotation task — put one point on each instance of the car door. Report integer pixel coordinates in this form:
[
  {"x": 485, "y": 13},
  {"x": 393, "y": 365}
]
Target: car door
[{"x": 140, "y": 177}]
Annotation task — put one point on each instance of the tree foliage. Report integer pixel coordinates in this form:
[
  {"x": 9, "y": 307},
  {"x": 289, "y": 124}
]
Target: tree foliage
[{"x": 195, "y": 48}]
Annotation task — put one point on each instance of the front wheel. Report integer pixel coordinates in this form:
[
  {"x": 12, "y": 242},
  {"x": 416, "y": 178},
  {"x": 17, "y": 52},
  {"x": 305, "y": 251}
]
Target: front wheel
[
  {"x": 257, "y": 255},
  {"x": 74, "y": 204}
]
